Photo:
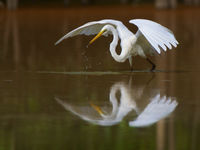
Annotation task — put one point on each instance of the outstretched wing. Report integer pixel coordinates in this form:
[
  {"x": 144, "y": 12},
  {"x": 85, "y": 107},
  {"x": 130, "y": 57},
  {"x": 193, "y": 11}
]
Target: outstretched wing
[
  {"x": 159, "y": 108},
  {"x": 157, "y": 35},
  {"x": 89, "y": 28}
]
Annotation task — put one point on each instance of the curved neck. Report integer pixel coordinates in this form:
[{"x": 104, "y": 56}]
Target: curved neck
[{"x": 122, "y": 56}]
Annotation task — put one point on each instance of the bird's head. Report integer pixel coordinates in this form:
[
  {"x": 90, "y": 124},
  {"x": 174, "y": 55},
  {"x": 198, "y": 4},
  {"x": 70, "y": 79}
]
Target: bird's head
[{"x": 104, "y": 31}]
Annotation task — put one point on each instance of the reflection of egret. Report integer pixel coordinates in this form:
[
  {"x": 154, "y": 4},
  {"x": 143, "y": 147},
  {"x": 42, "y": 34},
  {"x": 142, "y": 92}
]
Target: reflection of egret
[
  {"x": 150, "y": 38},
  {"x": 157, "y": 109},
  {"x": 105, "y": 117},
  {"x": 119, "y": 110}
]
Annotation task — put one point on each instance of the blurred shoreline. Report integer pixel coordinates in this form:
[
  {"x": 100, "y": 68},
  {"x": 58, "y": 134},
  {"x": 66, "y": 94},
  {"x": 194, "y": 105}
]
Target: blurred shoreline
[{"x": 102, "y": 9}]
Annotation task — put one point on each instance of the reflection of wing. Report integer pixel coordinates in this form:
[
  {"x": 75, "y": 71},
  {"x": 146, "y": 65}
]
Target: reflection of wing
[
  {"x": 87, "y": 113},
  {"x": 156, "y": 34},
  {"x": 159, "y": 108},
  {"x": 89, "y": 28}
]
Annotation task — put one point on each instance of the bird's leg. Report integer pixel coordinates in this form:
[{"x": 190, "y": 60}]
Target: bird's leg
[
  {"x": 153, "y": 65},
  {"x": 131, "y": 63}
]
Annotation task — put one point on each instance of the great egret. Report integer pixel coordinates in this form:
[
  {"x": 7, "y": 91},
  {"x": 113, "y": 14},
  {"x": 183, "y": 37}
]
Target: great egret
[{"x": 150, "y": 38}]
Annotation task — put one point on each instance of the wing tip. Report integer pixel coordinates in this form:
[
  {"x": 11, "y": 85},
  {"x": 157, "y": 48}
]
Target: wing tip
[
  {"x": 56, "y": 43},
  {"x": 177, "y": 42}
]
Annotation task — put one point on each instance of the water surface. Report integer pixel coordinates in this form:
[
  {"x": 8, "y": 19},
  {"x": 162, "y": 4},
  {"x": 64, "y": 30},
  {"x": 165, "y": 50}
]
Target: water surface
[{"x": 68, "y": 97}]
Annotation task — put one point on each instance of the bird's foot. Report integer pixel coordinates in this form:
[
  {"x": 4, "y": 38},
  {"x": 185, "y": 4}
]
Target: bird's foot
[
  {"x": 131, "y": 69},
  {"x": 153, "y": 65},
  {"x": 153, "y": 68}
]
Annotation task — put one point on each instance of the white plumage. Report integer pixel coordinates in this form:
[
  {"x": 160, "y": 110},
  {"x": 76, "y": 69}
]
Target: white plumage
[
  {"x": 157, "y": 109},
  {"x": 150, "y": 38},
  {"x": 90, "y": 28},
  {"x": 156, "y": 34}
]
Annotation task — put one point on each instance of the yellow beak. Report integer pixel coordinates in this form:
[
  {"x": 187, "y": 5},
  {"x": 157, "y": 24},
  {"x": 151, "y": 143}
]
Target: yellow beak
[
  {"x": 97, "y": 36},
  {"x": 97, "y": 108}
]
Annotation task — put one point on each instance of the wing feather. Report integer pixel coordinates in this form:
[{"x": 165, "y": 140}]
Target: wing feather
[
  {"x": 157, "y": 109},
  {"x": 157, "y": 35},
  {"x": 89, "y": 28}
]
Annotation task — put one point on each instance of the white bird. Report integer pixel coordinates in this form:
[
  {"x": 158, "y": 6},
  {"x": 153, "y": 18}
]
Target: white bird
[{"x": 150, "y": 38}]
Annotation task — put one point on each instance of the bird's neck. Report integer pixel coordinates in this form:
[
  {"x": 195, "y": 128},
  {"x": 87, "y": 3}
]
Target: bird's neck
[{"x": 122, "y": 56}]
